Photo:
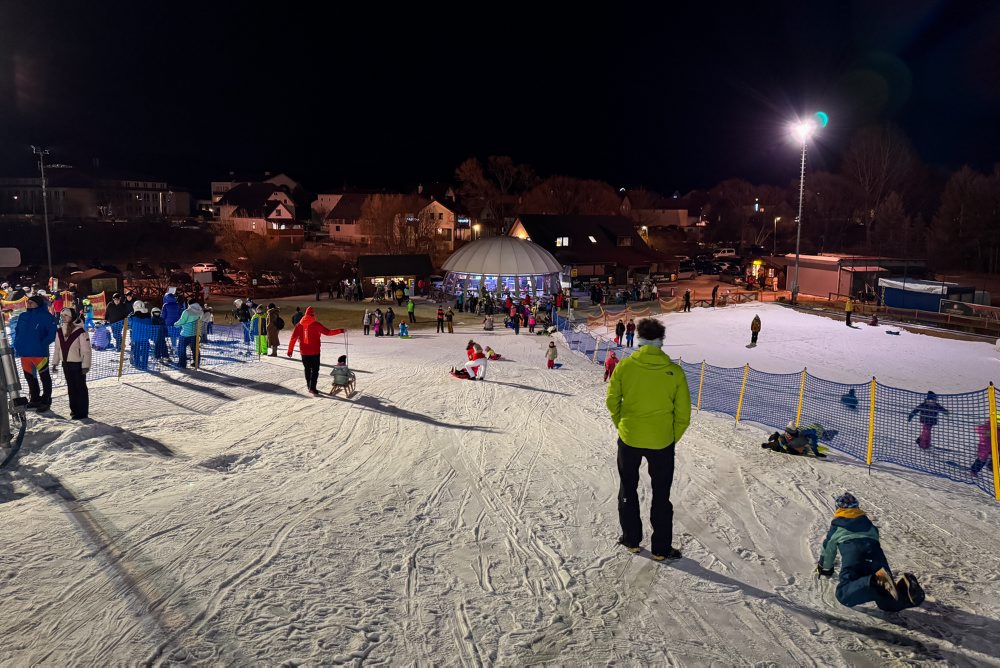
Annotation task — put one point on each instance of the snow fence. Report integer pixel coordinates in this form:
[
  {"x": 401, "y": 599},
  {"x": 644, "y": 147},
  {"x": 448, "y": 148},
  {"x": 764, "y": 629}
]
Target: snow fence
[
  {"x": 873, "y": 422},
  {"x": 152, "y": 348}
]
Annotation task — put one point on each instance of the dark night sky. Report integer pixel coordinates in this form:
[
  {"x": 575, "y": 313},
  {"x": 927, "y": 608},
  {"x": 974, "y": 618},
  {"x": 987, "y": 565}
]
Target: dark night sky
[{"x": 672, "y": 99}]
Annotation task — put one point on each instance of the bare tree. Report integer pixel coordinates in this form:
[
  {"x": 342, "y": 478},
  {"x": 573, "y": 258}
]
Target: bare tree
[
  {"x": 965, "y": 230},
  {"x": 879, "y": 160},
  {"x": 390, "y": 222},
  {"x": 260, "y": 253},
  {"x": 564, "y": 195}
]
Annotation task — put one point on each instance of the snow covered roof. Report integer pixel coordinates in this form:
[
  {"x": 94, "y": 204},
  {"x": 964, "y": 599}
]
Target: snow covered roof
[
  {"x": 917, "y": 285},
  {"x": 506, "y": 256}
]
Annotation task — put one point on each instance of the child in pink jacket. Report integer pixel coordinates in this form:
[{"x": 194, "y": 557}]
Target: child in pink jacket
[{"x": 985, "y": 447}]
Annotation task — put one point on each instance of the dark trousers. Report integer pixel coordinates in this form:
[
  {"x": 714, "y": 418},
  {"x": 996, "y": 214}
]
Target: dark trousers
[
  {"x": 687, "y": 306},
  {"x": 753, "y": 337},
  {"x": 859, "y": 560},
  {"x": 413, "y": 316},
  {"x": 310, "y": 364},
  {"x": 440, "y": 329},
  {"x": 116, "y": 329},
  {"x": 848, "y": 318},
  {"x": 367, "y": 329},
  {"x": 45, "y": 396},
  {"x": 185, "y": 343},
  {"x": 76, "y": 387},
  {"x": 661, "y": 474}
]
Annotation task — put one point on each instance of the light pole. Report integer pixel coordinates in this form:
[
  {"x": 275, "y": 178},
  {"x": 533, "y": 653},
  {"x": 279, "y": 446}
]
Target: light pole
[
  {"x": 41, "y": 153},
  {"x": 774, "y": 239},
  {"x": 801, "y": 132}
]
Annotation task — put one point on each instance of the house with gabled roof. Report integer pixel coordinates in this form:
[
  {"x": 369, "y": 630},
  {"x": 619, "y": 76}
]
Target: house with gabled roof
[
  {"x": 606, "y": 247},
  {"x": 262, "y": 208}
]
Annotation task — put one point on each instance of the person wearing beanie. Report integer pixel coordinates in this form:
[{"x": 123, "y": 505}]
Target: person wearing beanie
[
  {"x": 551, "y": 353},
  {"x": 650, "y": 406},
  {"x": 609, "y": 365},
  {"x": 865, "y": 576},
  {"x": 273, "y": 324},
  {"x": 927, "y": 413},
  {"x": 33, "y": 334},
  {"x": 72, "y": 353},
  {"x": 307, "y": 334},
  {"x": 140, "y": 332},
  {"x": 115, "y": 315},
  {"x": 188, "y": 323}
]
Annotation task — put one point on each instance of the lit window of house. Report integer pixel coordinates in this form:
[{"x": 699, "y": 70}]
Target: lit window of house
[
  {"x": 592, "y": 239},
  {"x": 624, "y": 241},
  {"x": 562, "y": 241}
]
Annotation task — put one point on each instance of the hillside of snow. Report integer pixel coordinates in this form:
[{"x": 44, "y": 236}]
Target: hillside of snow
[{"x": 227, "y": 517}]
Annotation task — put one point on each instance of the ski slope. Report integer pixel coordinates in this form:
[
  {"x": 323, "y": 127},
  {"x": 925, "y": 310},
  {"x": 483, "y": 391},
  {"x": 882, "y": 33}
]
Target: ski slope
[{"x": 226, "y": 517}]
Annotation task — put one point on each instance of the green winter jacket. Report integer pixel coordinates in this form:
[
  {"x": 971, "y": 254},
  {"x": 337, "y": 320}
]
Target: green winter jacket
[
  {"x": 649, "y": 400},
  {"x": 849, "y": 524}
]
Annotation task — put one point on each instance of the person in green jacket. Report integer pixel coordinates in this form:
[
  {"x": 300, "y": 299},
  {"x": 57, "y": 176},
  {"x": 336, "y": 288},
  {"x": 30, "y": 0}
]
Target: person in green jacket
[
  {"x": 865, "y": 576},
  {"x": 410, "y": 307},
  {"x": 650, "y": 406}
]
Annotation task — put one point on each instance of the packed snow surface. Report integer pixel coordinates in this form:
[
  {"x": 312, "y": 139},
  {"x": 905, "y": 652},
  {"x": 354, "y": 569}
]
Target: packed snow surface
[{"x": 227, "y": 517}]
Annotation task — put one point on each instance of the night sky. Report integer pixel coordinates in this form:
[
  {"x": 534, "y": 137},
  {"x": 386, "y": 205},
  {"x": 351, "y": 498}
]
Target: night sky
[{"x": 670, "y": 99}]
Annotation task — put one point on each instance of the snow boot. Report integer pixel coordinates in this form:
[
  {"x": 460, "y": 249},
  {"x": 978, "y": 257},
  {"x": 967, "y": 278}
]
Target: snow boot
[
  {"x": 910, "y": 590},
  {"x": 634, "y": 549},
  {"x": 882, "y": 579},
  {"x": 43, "y": 408},
  {"x": 672, "y": 553}
]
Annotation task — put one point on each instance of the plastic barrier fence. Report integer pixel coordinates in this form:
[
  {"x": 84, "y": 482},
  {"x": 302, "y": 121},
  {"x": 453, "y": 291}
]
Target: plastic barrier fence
[{"x": 953, "y": 436}]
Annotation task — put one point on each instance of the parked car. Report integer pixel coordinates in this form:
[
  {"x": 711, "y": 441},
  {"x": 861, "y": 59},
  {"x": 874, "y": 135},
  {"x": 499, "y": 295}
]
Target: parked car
[
  {"x": 687, "y": 270},
  {"x": 707, "y": 268},
  {"x": 202, "y": 267},
  {"x": 724, "y": 252}
]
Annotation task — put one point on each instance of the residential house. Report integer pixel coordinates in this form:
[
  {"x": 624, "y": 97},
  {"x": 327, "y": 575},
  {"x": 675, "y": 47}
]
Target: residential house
[
  {"x": 344, "y": 220},
  {"x": 262, "y": 208},
  {"x": 299, "y": 196},
  {"x": 599, "y": 247}
]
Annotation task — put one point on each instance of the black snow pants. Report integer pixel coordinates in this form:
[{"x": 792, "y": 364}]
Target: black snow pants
[
  {"x": 661, "y": 474},
  {"x": 310, "y": 363}
]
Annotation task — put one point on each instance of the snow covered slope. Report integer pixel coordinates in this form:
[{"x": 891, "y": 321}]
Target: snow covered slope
[{"x": 226, "y": 517}]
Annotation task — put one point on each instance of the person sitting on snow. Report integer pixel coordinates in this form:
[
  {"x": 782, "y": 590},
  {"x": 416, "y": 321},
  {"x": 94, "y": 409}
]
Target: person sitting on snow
[
  {"x": 488, "y": 323},
  {"x": 404, "y": 330},
  {"x": 343, "y": 377},
  {"x": 475, "y": 368},
  {"x": 491, "y": 354},
  {"x": 865, "y": 576},
  {"x": 791, "y": 442}
]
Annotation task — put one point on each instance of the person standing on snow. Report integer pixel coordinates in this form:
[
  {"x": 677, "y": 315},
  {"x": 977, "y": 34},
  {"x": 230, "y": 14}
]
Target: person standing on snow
[
  {"x": 188, "y": 324},
  {"x": 449, "y": 317},
  {"x": 865, "y": 576},
  {"x": 687, "y": 300},
  {"x": 619, "y": 332},
  {"x": 307, "y": 334},
  {"x": 271, "y": 327},
  {"x": 609, "y": 365},
  {"x": 754, "y": 330},
  {"x": 73, "y": 354},
  {"x": 848, "y": 310},
  {"x": 440, "y": 321},
  {"x": 630, "y": 333},
  {"x": 171, "y": 313},
  {"x": 715, "y": 294},
  {"x": 297, "y": 316},
  {"x": 551, "y": 353},
  {"x": 33, "y": 334},
  {"x": 650, "y": 406},
  {"x": 366, "y": 321},
  {"x": 411, "y": 310},
  {"x": 927, "y": 412},
  {"x": 389, "y": 317},
  {"x": 115, "y": 315}
]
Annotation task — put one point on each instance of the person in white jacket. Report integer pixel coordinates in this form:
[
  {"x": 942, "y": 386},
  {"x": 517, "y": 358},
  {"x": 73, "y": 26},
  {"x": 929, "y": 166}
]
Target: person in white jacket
[{"x": 73, "y": 355}]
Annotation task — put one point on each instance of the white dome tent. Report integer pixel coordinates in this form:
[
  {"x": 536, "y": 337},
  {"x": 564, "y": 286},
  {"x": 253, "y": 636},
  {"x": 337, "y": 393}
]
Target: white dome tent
[{"x": 502, "y": 265}]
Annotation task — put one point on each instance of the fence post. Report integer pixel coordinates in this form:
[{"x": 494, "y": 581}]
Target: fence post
[
  {"x": 121, "y": 344},
  {"x": 871, "y": 425},
  {"x": 993, "y": 441},
  {"x": 802, "y": 394},
  {"x": 597, "y": 348},
  {"x": 743, "y": 389},
  {"x": 197, "y": 345},
  {"x": 701, "y": 384}
]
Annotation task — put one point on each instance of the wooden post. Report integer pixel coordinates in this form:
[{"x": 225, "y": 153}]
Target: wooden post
[
  {"x": 743, "y": 389},
  {"x": 871, "y": 424},
  {"x": 121, "y": 345},
  {"x": 802, "y": 394},
  {"x": 701, "y": 384}
]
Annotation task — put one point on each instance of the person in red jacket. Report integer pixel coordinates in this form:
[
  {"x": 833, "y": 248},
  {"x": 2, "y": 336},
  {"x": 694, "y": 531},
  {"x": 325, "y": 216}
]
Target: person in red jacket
[{"x": 307, "y": 334}]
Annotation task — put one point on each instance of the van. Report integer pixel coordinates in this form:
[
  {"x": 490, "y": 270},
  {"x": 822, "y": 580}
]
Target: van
[{"x": 724, "y": 252}]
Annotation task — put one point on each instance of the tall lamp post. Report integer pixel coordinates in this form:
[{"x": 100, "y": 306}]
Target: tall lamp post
[
  {"x": 41, "y": 153},
  {"x": 802, "y": 131}
]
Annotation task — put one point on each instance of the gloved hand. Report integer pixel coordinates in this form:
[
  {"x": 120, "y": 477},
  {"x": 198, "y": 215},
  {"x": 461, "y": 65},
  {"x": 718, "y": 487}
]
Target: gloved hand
[
  {"x": 823, "y": 572},
  {"x": 86, "y": 371}
]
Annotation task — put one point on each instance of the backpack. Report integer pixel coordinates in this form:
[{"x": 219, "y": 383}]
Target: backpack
[{"x": 279, "y": 322}]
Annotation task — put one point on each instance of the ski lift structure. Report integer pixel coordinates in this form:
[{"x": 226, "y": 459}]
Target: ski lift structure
[{"x": 500, "y": 266}]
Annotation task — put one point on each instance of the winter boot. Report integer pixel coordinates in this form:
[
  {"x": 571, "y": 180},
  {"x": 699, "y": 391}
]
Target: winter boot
[
  {"x": 882, "y": 579},
  {"x": 672, "y": 553},
  {"x": 910, "y": 590},
  {"x": 634, "y": 549}
]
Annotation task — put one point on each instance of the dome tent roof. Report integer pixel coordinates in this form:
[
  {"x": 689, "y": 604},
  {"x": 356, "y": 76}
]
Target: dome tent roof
[{"x": 507, "y": 256}]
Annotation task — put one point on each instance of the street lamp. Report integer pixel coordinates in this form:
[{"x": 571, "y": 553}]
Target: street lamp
[
  {"x": 774, "y": 239},
  {"x": 801, "y": 132},
  {"x": 41, "y": 153}
]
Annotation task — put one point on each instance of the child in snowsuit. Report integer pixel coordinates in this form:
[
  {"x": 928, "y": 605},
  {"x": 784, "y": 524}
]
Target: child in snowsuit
[
  {"x": 984, "y": 449},
  {"x": 343, "y": 377},
  {"x": 791, "y": 442},
  {"x": 404, "y": 330},
  {"x": 102, "y": 338},
  {"x": 491, "y": 354},
  {"x": 551, "y": 354},
  {"x": 531, "y": 323},
  {"x": 366, "y": 322},
  {"x": 619, "y": 332},
  {"x": 927, "y": 411},
  {"x": 630, "y": 333},
  {"x": 864, "y": 570},
  {"x": 609, "y": 365}
]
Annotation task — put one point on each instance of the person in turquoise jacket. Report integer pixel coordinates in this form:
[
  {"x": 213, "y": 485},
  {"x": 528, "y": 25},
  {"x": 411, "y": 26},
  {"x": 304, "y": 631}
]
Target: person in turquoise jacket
[
  {"x": 650, "y": 406},
  {"x": 188, "y": 325},
  {"x": 864, "y": 570}
]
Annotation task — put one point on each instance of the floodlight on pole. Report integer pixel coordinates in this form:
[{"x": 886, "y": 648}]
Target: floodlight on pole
[
  {"x": 802, "y": 131},
  {"x": 41, "y": 153}
]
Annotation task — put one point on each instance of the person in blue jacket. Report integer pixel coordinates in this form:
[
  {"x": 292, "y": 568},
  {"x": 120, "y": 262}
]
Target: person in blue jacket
[
  {"x": 864, "y": 570},
  {"x": 33, "y": 335},
  {"x": 171, "y": 313}
]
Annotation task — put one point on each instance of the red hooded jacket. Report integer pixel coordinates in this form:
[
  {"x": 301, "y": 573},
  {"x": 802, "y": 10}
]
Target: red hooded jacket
[{"x": 307, "y": 333}]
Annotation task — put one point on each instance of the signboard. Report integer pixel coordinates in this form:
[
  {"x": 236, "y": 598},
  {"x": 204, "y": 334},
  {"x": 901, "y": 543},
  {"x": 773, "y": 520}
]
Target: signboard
[
  {"x": 973, "y": 310},
  {"x": 10, "y": 257},
  {"x": 203, "y": 277},
  {"x": 572, "y": 272},
  {"x": 253, "y": 282}
]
